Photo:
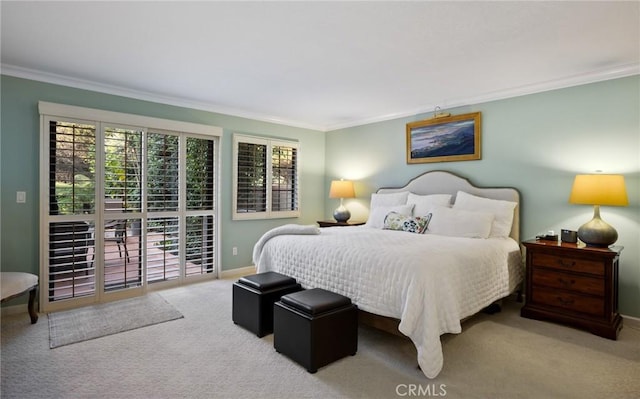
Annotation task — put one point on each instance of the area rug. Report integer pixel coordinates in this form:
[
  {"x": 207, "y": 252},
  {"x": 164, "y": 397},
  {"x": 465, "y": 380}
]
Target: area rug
[{"x": 90, "y": 322}]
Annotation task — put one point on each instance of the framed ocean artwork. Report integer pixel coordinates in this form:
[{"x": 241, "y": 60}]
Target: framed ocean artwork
[{"x": 442, "y": 139}]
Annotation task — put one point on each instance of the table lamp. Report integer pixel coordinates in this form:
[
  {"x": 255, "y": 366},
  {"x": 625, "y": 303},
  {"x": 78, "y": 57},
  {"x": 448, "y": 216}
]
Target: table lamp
[
  {"x": 341, "y": 189},
  {"x": 598, "y": 190}
]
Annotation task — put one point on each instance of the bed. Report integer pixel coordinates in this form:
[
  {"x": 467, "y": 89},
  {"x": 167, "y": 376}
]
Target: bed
[{"x": 468, "y": 257}]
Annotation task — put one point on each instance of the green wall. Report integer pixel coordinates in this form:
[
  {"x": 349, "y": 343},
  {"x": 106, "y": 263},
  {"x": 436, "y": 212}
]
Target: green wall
[
  {"x": 536, "y": 143},
  {"x": 20, "y": 163}
]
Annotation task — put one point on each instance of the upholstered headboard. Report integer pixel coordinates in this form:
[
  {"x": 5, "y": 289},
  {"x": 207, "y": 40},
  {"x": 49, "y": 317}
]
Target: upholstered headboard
[{"x": 442, "y": 182}]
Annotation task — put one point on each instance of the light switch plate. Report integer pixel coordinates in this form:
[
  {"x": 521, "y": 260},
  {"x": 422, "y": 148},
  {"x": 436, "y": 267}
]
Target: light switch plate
[{"x": 21, "y": 197}]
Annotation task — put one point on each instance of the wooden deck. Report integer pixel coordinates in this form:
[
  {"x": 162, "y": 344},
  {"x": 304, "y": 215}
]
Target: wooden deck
[{"x": 122, "y": 271}]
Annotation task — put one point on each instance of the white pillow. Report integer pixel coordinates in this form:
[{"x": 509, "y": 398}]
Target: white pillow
[
  {"x": 389, "y": 199},
  {"x": 423, "y": 204},
  {"x": 502, "y": 211},
  {"x": 377, "y": 215},
  {"x": 460, "y": 223}
]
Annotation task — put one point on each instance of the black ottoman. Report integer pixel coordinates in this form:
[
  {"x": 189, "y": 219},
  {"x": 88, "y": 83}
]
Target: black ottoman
[
  {"x": 315, "y": 327},
  {"x": 253, "y": 299}
]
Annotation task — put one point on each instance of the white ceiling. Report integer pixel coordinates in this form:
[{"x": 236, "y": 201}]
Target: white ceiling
[{"x": 320, "y": 65}]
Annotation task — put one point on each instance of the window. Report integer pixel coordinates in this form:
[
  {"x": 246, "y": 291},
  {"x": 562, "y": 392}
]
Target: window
[
  {"x": 132, "y": 202},
  {"x": 266, "y": 178}
]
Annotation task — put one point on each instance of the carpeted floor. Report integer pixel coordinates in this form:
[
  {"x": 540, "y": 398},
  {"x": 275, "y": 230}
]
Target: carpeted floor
[{"x": 204, "y": 355}]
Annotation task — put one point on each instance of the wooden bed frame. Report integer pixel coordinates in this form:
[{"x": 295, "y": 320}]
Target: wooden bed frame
[{"x": 443, "y": 182}]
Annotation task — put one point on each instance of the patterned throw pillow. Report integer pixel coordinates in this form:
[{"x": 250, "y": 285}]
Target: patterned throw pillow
[{"x": 411, "y": 224}]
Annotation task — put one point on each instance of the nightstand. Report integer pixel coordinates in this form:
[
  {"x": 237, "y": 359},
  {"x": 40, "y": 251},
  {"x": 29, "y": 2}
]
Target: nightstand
[
  {"x": 332, "y": 223},
  {"x": 574, "y": 285}
]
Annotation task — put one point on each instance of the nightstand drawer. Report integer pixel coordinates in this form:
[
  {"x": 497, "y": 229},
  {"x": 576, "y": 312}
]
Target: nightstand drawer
[
  {"x": 574, "y": 302},
  {"x": 573, "y": 284},
  {"x": 584, "y": 284},
  {"x": 567, "y": 263}
]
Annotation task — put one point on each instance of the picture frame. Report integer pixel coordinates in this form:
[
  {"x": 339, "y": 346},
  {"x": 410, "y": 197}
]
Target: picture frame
[{"x": 445, "y": 139}]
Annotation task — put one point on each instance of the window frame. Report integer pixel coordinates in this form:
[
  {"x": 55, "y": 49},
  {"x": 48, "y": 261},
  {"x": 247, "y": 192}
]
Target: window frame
[
  {"x": 269, "y": 213},
  {"x": 101, "y": 119}
]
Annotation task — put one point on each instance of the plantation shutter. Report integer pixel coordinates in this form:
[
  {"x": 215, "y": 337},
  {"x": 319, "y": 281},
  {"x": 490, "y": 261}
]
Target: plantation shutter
[
  {"x": 252, "y": 178},
  {"x": 162, "y": 172},
  {"x": 266, "y": 178},
  {"x": 71, "y": 207},
  {"x": 71, "y": 159},
  {"x": 284, "y": 178},
  {"x": 123, "y": 167},
  {"x": 122, "y": 206},
  {"x": 200, "y": 222},
  {"x": 163, "y": 229},
  {"x": 180, "y": 231}
]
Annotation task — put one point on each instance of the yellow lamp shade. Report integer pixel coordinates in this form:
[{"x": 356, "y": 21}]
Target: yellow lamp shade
[
  {"x": 599, "y": 190},
  {"x": 342, "y": 189}
]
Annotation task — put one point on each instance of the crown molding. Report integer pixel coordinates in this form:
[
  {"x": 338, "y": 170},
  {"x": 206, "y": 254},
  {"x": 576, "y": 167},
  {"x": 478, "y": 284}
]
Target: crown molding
[
  {"x": 46, "y": 77},
  {"x": 575, "y": 80}
]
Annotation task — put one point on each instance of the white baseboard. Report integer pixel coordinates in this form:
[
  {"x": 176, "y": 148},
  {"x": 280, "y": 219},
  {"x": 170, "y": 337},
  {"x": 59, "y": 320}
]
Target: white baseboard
[
  {"x": 238, "y": 272},
  {"x": 631, "y": 322},
  {"x": 14, "y": 309},
  {"x": 224, "y": 274}
]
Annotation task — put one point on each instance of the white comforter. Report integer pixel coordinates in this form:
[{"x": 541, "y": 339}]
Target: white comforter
[{"x": 429, "y": 282}]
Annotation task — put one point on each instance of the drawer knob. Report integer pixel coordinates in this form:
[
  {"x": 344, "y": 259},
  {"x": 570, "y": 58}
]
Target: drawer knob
[
  {"x": 564, "y": 263},
  {"x": 566, "y": 283},
  {"x": 565, "y": 301}
]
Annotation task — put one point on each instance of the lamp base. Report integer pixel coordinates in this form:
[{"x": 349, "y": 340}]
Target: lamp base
[
  {"x": 597, "y": 232},
  {"x": 341, "y": 214}
]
